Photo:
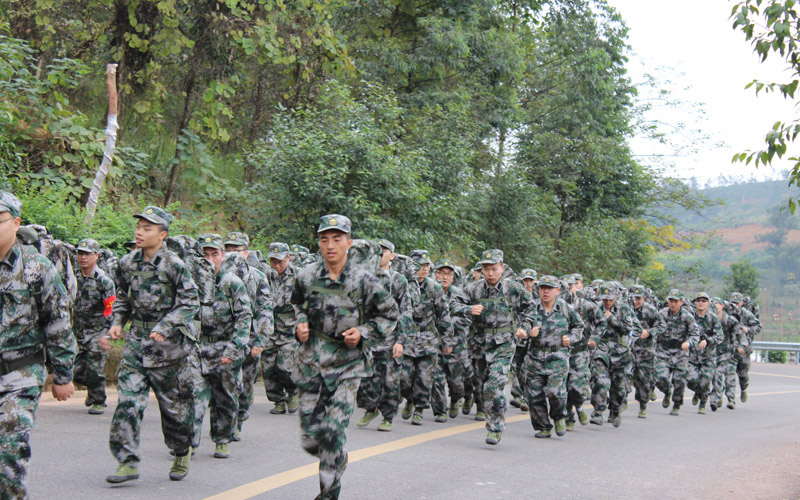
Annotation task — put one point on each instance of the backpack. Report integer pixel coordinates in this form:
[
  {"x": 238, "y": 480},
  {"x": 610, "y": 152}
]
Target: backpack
[
  {"x": 365, "y": 254},
  {"x": 406, "y": 266},
  {"x": 56, "y": 251},
  {"x": 201, "y": 269}
]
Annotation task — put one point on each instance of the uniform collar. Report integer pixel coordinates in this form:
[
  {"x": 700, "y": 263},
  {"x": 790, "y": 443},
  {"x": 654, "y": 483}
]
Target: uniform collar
[{"x": 12, "y": 256}]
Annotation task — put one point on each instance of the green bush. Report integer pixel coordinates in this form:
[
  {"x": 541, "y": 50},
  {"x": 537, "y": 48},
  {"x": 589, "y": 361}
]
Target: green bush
[{"x": 778, "y": 356}]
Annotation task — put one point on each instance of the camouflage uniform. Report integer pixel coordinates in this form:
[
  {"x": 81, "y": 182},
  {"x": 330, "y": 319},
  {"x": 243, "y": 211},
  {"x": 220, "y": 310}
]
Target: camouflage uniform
[
  {"x": 733, "y": 338},
  {"x": 702, "y": 364},
  {"x": 155, "y": 295},
  {"x": 507, "y": 308},
  {"x": 749, "y": 321},
  {"x": 644, "y": 351},
  {"x": 432, "y": 331},
  {"x": 580, "y": 357},
  {"x": 96, "y": 295},
  {"x": 547, "y": 360},
  {"x": 328, "y": 372},
  {"x": 225, "y": 330},
  {"x": 671, "y": 359},
  {"x": 35, "y": 321},
  {"x": 612, "y": 359},
  {"x": 517, "y": 372},
  {"x": 280, "y": 356}
]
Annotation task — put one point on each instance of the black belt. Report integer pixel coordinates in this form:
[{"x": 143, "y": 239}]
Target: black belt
[
  {"x": 546, "y": 349},
  {"x": 325, "y": 336},
  {"x": 671, "y": 344},
  {"x": 34, "y": 358},
  {"x": 579, "y": 348}
]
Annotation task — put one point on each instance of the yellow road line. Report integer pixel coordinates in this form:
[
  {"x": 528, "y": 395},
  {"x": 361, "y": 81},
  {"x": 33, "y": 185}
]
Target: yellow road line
[{"x": 774, "y": 375}]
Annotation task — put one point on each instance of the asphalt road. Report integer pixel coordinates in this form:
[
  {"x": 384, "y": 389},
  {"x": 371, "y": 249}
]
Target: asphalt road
[{"x": 749, "y": 453}]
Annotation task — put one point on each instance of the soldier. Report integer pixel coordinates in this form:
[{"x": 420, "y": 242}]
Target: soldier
[
  {"x": 156, "y": 293},
  {"x": 734, "y": 341},
  {"x": 433, "y": 331},
  {"x": 616, "y": 324},
  {"x": 343, "y": 308},
  {"x": 644, "y": 348},
  {"x": 672, "y": 350},
  {"x": 751, "y": 327},
  {"x": 557, "y": 326},
  {"x": 703, "y": 359},
  {"x": 225, "y": 329},
  {"x": 580, "y": 359},
  {"x": 381, "y": 391},
  {"x": 578, "y": 281},
  {"x": 36, "y": 324},
  {"x": 518, "y": 384},
  {"x": 258, "y": 290},
  {"x": 501, "y": 308},
  {"x": 93, "y": 307},
  {"x": 280, "y": 355}
]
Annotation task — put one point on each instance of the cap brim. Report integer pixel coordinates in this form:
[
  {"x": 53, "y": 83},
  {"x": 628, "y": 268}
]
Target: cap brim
[
  {"x": 547, "y": 285},
  {"x": 279, "y": 255},
  {"x": 155, "y": 219},
  {"x": 490, "y": 261},
  {"x": 86, "y": 249},
  {"x": 333, "y": 228},
  {"x": 235, "y": 243},
  {"x": 673, "y": 297}
]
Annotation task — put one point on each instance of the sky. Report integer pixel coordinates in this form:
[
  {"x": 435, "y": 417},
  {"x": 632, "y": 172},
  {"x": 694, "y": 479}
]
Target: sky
[{"x": 691, "y": 49}]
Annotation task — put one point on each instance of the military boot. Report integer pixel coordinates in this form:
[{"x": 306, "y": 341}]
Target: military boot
[
  {"x": 695, "y": 399},
  {"x": 561, "y": 427},
  {"x": 543, "y": 434},
  {"x": 597, "y": 418},
  {"x": 385, "y": 426},
  {"x": 440, "y": 418},
  {"x": 122, "y": 474},
  {"x": 96, "y": 409},
  {"x": 278, "y": 409},
  {"x": 744, "y": 397},
  {"x": 293, "y": 403},
  {"x": 675, "y": 410},
  {"x": 571, "y": 425},
  {"x": 667, "y": 396},
  {"x": 480, "y": 416},
  {"x": 523, "y": 406},
  {"x": 642, "y": 411},
  {"x": 653, "y": 395},
  {"x": 180, "y": 467},
  {"x": 468, "y": 405},
  {"x": 221, "y": 450},
  {"x": 731, "y": 404},
  {"x": 493, "y": 437},
  {"x": 583, "y": 418},
  {"x": 616, "y": 420},
  {"x": 702, "y": 409},
  {"x": 367, "y": 418},
  {"x": 417, "y": 419},
  {"x": 455, "y": 405},
  {"x": 408, "y": 410},
  {"x": 515, "y": 402}
]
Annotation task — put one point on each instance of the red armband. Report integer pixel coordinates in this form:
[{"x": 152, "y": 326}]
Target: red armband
[{"x": 109, "y": 306}]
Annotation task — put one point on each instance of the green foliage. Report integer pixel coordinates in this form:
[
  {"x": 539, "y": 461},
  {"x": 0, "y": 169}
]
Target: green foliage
[
  {"x": 778, "y": 357},
  {"x": 743, "y": 278}
]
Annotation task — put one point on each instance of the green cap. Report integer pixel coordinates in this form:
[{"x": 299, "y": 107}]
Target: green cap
[
  {"x": 549, "y": 281},
  {"x": 675, "y": 294},
  {"x": 210, "y": 240},
  {"x": 636, "y": 290},
  {"x": 10, "y": 203},
  {"x": 334, "y": 221},
  {"x": 608, "y": 291},
  {"x": 737, "y": 297},
  {"x": 597, "y": 282},
  {"x": 278, "y": 250},
  {"x": 88, "y": 245},
  {"x": 129, "y": 244},
  {"x": 421, "y": 257},
  {"x": 528, "y": 274},
  {"x": 491, "y": 256},
  {"x": 578, "y": 277},
  {"x": 156, "y": 215},
  {"x": 701, "y": 295},
  {"x": 237, "y": 238},
  {"x": 444, "y": 263},
  {"x": 299, "y": 249},
  {"x": 386, "y": 244},
  {"x": 568, "y": 279}
]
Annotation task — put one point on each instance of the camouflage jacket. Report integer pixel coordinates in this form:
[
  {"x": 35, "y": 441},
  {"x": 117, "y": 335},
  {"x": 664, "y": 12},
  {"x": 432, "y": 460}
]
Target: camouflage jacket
[
  {"x": 507, "y": 306},
  {"x": 654, "y": 324},
  {"x": 710, "y": 329},
  {"x": 225, "y": 323},
  {"x": 258, "y": 290},
  {"x": 678, "y": 328},
  {"x": 397, "y": 285},
  {"x": 284, "y": 310},
  {"x": 461, "y": 316},
  {"x": 93, "y": 291},
  {"x": 355, "y": 299},
  {"x": 618, "y": 330},
  {"x": 587, "y": 310},
  {"x": 156, "y": 295},
  {"x": 562, "y": 320},
  {"x": 733, "y": 336},
  {"x": 35, "y": 316},
  {"x": 748, "y": 320},
  {"x": 433, "y": 328}
]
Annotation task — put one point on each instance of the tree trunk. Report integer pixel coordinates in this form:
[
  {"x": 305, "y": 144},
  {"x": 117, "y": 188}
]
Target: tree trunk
[
  {"x": 111, "y": 143},
  {"x": 176, "y": 162}
]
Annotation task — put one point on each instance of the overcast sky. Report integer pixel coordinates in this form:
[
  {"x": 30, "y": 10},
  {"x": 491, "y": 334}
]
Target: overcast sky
[{"x": 691, "y": 49}]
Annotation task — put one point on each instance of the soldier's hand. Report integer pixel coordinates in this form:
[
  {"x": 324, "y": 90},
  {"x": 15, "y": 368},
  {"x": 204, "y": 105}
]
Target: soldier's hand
[
  {"x": 256, "y": 351},
  {"x": 521, "y": 334},
  {"x": 741, "y": 351},
  {"x": 607, "y": 314},
  {"x": 534, "y": 332},
  {"x": 105, "y": 343},
  {"x": 225, "y": 361},
  {"x": 746, "y": 330},
  {"x": 702, "y": 345},
  {"x": 352, "y": 337},
  {"x": 645, "y": 334},
  {"x": 63, "y": 392},
  {"x": 565, "y": 341},
  {"x": 685, "y": 346},
  {"x": 477, "y": 310},
  {"x": 157, "y": 336},
  {"x": 302, "y": 332},
  {"x": 447, "y": 350},
  {"x": 115, "y": 332},
  {"x": 397, "y": 350},
  {"x": 592, "y": 344}
]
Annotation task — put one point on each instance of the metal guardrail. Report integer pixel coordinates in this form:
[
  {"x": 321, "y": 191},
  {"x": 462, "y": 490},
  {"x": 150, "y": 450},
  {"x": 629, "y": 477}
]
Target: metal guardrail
[{"x": 759, "y": 345}]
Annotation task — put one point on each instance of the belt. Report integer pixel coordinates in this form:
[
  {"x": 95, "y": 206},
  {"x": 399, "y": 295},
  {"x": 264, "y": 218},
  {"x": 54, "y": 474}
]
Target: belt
[
  {"x": 209, "y": 338},
  {"x": 579, "y": 348},
  {"x": 503, "y": 329},
  {"x": 146, "y": 325},
  {"x": 546, "y": 349},
  {"x": 284, "y": 316},
  {"x": 325, "y": 336},
  {"x": 34, "y": 358},
  {"x": 671, "y": 344}
]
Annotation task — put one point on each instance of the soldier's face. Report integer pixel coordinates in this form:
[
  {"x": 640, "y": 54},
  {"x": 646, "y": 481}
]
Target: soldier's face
[
  {"x": 444, "y": 275},
  {"x": 719, "y": 307},
  {"x": 674, "y": 305},
  {"x": 333, "y": 245},
  {"x": 215, "y": 255},
  {"x": 476, "y": 275},
  {"x": 573, "y": 288},
  {"x": 87, "y": 260},
  {"x": 386, "y": 257},
  {"x": 637, "y": 302},
  {"x": 279, "y": 265},
  {"x": 578, "y": 285},
  {"x": 8, "y": 230},
  {"x": 424, "y": 271},
  {"x": 528, "y": 284},
  {"x": 148, "y": 235},
  {"x": 548, "y": 294},
  {"x": 492, "y": 272},
  {"x": 701, "y": 305},
  {"x": 237, "y": 248}
]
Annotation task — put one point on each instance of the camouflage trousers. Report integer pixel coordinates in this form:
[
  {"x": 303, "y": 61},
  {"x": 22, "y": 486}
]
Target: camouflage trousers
[
  {"x": 700, "y": 376},
  {"x": 173, "y": 386},
  {"x": 492, "y": 369},
  {"x": 276, "y": 370},
  {"x": 518, "y": 372},
  {"x": 90, "y": 364},
  {"x": 416, "y": 380},
  {"x": 612, "y": 369},
  {"x": 217, "y": 392},
  {"x": 449, "y": 373},
  {"x": 724, "y": 379},
  {"x": 381, "y": 390},
  {"x": 546, "y": 383},
  {"x": 671, "y": 373},
  {"x": 578, "y": 388},
  {"x": 743, "y": 369},
  {"x": 471, "y": 384},
  {"x": 644, "y": 367},
  {"x": 324, "y": 417},
  {"x": 248, "y": 373},
  {"x": 17, "y": 410}
]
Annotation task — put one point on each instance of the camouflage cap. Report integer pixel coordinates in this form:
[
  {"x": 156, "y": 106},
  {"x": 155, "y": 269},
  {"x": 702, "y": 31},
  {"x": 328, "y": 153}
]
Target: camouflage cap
[
  {"x": 278, "y": 250},
  {"x": 88, "y": 245},
  {"x": 300, "y": 249},
  {"x": 636, "y": 290},
  {"x": 608, "y": 291},
  {"x": 10, "y": 203},
  {"x": 210, "y": 240},
  {"x": 701, "y": 295},
  {"x": 444, "y": 263},
  {"x": 491, "y": 256},
  {"x": 675, "y": 294},
  {"x": 549, "y": 281},
  {"x": 568, "y": 279},
  {"x": 597, "y": 282},
  {"x": 528, "y": 274},
  {"x": 129, "y": 244},
  {"x": 578, "y": 276},
  {"x": 387, "y": 244},
  {"x": 156, "y": 215},
  {"x": 737, "y": 297},
  {"x": 477, "y": 267},
  {"x": 237, "y": 238},
  {"x": 334, "y": 221},
  {"x": 421, "y": 257}
]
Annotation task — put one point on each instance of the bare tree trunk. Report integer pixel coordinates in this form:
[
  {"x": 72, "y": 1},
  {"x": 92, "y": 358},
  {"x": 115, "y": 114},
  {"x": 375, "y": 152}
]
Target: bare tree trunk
[
  {"x": 176, "y": 163},
  {"x": 111, "y": 143}
]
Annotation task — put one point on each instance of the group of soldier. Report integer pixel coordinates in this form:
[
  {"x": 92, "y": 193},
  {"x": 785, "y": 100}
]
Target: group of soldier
[{"x": 355, "y": 325}]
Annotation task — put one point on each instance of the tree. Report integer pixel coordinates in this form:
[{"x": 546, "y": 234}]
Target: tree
[{"x": 743, "y": 278}]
